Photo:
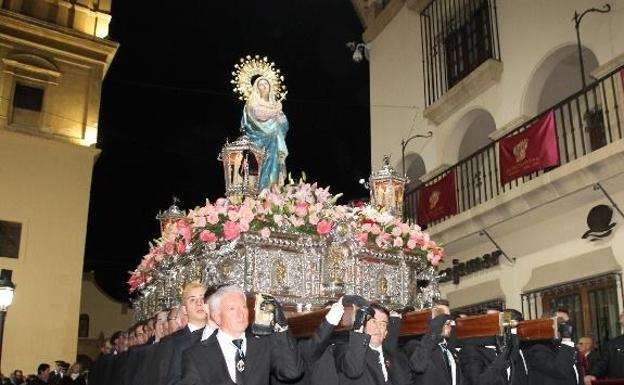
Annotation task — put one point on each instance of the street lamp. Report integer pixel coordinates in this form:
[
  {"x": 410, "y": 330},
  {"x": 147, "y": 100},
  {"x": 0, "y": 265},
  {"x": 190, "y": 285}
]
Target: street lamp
[
  {"x": 404, "y": 143},
  {"x": 6, "y": 298}
]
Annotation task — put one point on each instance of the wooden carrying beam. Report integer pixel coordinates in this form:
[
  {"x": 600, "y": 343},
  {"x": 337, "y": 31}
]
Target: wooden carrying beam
[{"x": 416, "y": 323}]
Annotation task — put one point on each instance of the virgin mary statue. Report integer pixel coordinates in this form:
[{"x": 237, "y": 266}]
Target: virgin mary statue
[{"x": 266, "y": 125}]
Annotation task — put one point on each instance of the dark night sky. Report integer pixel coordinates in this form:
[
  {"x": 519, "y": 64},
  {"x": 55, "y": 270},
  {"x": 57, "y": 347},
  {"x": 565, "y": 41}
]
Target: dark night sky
[{"x": 168, "y": 106}]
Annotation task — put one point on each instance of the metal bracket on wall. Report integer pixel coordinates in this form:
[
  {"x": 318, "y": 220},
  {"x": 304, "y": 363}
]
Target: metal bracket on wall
[
  {"x": 511, "y": 260},
  {"x": 598, "y": 186}
]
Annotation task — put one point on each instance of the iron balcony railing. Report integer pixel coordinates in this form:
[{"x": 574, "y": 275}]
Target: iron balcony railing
[
  {"x": 585, "y": 122},
  {"x": 457, "y": 36}
]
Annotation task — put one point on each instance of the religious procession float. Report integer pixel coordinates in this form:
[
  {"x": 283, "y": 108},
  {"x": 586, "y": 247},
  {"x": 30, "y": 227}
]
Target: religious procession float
[{"x": 289, "y": 238}]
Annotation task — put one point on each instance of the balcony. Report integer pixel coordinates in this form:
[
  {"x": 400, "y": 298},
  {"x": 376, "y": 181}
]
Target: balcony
[{"x": 589, "y": 129}]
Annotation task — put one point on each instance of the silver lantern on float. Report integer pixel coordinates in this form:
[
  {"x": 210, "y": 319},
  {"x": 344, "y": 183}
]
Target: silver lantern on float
[
  {"x": 172, "y": 215},
  {"x": 242, "y": 164},
  {"x": 387, "y": 188}
]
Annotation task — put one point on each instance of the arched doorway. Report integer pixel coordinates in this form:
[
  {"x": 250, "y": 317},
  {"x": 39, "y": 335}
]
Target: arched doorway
[
  {"x": 473, "y": 171},
  {"x": 556, "y": 84}
]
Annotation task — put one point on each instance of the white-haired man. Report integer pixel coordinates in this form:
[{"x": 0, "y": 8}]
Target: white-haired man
[{"x": 233, "y": 356}]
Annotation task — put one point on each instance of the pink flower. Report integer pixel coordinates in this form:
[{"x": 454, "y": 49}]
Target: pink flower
[
  {"x": 158, "y": 258},
  {"x": 396, "y": 231},
  {"x": 231, "y": 230},
  {"x": 398, "y": 242},
  {"x": 382, "y": 239},
  {"x": 411, "y": 244},
  {"x": 296, "y": 221},
  {"x": 323, "y": 227},
  {"x": 180, "y": 247},
  {"x": 278, "y": 219},
  {"x": 244, "y": 226},
  {"x": 375, "y": 229},
  {"x": 301, "y": 209},
  {"x": 265, "y": 232},
  {"x": 213, "y": 218},
  {"x": 199, "y": 221},
  {"x": 233, "y": 214},
  {"x": 313, "y": 219},
  {"x": 208, "y": 236},
  {"x": 362, "y": 238},
  {"x": 434, "y": 259},
  {"x": 366, "y": 227},
  {"x": 169, "y": 248},
  {"x": 184, "y": 229}
]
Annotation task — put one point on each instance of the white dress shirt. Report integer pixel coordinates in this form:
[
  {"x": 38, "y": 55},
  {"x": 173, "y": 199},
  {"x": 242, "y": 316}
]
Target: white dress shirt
[
  {"x": 208, "y": 330},
  {"x": 381, "y": 361},
  {"x": 451, "y": 360},
  {"x": 230, "y": 350},
  {"x": 192, "y": 327}
]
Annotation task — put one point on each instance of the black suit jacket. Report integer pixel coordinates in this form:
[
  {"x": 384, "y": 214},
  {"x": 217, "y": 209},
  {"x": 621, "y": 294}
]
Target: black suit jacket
[
  {"x": 118, "y": 369},
  {"x": 204, "y": 364},
  {"x": 318, "y": 362},
  {"x": 483, "y": 366},
  {"x": 358, "y": 364},
  {"x": 168, "y": 356},
  {"x": 428, "y": 364},
  {"x": 179, "y": 345},
  {"x": 553, "y": 364},
  {"x": 612, "y": 363},
  {"x": 136, "y": 358}
]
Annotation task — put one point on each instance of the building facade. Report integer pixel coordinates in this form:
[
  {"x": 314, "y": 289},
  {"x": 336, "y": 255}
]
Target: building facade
[
  {"x": 53, "y": 59},
  {"x": 477, "y": 73}
]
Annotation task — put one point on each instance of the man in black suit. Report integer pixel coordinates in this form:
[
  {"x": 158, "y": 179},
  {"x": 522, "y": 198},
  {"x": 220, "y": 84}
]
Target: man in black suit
[
  {"x": 170, "y": 352},
  {"x": 500, "y": 361},
  {"x": 555, "y": 362},
  {"x": 432, "y": 360},
  {"x": 364, "y": 360},
  {"x": 588, "y": 357},
  {"x": 231, "y": 356},
  {"x": 612, "y": 363}
]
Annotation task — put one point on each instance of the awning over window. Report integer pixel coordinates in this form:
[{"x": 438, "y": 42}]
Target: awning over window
[
  {"x": 482, "y": 292},
  {"x": 586, "y": 265}
]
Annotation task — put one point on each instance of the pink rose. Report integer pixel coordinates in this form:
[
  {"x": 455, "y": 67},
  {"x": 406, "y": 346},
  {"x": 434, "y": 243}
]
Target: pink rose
[
  {"x": 265, "y": 232},
  {"x": 398, "y": 242},
  {"x": 301, "y": 209},
  {"x": 411, "y": 244},
  {"x": 169, "y": 248},
  {"x": 396, "y": 231},
  {"x": 180, "y": 247},
  {"x": 375, "y": 229},
  {"x": 231, "y": 230},
  {"x": 208, "y": 236},
  {"x": 323, "y": 227},
  {"x": 158, "y": 258},
  {"x": 366, "y": 227}
]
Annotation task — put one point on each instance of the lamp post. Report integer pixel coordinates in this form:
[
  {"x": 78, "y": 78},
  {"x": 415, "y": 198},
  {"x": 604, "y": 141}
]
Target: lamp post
[
  {"x": 404, "y": 143},
  {"x": 6, "y": 298},
  {"x": 577, "y": 23}
]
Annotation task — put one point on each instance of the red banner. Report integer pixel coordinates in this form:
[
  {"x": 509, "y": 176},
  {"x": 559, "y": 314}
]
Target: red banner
[
  {"x": 437, "y": 200},
  {"x": 531, "y": 150}
]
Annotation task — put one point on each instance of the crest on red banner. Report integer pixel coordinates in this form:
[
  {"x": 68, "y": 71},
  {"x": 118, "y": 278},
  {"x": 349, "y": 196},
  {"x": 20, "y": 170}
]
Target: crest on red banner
[
  {"x": 437, "y": 200},
  {"x": 531, "y": 150}
]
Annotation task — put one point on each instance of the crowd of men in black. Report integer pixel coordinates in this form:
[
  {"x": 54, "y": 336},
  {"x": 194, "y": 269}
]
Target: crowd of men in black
[
  {"x": 62, "y": 374},
  {"x": 207, "y": 341}
]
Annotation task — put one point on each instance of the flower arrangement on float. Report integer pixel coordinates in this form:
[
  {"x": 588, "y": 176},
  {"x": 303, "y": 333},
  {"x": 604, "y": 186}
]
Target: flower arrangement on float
[{"x": 295, "y": 208}]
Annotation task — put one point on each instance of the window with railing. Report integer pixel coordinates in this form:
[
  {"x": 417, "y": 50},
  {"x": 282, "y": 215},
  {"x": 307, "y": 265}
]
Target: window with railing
[
  {"x": 457, "y": 36},
  {"x": 591, "y": 303},
  {"x": 481, "y": 308},
  {"x": 584, "y": 122}
]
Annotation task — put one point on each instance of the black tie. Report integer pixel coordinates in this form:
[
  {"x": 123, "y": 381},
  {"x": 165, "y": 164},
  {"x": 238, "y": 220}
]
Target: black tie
[
  {"x": 446, "y": 359},
  {"x": 239, "y": 361}
]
